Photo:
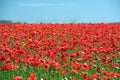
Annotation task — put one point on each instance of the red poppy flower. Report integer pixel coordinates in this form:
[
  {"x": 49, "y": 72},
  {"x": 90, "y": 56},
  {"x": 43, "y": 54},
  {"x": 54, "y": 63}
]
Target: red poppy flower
[
  {"x": 18, "y": 78},
  {"x": 111, "y": 74},
  {"x": 32, "y": 77},
  {"x": 74, "y": 71},
  {"x": 47, "y": 66},
  {"x": 95, "y": 76},
  {"x": 117, "y": 75}
]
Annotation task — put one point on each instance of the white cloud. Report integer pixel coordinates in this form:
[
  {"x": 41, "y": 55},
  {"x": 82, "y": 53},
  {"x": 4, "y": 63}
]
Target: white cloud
[{"x": 44, "y": 4}]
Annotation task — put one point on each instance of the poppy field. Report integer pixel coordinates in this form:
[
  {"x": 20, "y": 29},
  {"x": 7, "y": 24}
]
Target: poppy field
[{"x": 60, "y": 51}]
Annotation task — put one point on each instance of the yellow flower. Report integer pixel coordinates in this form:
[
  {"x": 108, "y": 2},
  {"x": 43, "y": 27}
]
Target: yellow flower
[
  {"x": 23, "y": 44},
  {"x": 30, "y": 39}
]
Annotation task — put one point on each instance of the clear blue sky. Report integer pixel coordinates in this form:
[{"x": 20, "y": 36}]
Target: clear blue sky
[{"x": 82, "y": 11}]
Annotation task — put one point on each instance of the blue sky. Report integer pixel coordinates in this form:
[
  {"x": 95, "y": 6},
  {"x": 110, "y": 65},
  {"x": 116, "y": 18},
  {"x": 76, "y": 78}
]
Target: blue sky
[{"x": 60, "y": 11}]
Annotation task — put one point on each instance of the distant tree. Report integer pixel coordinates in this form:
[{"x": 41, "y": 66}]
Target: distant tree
[
  {"x": 5, "y": 21},
  {"x": 18, "y": 22},
  {"x": 25, "y": 23}
]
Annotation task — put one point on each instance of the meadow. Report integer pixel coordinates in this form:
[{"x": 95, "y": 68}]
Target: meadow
[{"x": 60, "y": 51}]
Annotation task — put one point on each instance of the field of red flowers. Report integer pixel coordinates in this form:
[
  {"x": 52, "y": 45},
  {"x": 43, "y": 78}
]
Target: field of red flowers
[{"x": 60, "y": 51}]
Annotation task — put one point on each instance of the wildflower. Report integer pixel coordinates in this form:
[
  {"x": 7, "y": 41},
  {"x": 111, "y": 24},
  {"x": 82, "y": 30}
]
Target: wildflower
[
  {"x": 32, "y": 77},
  {"x": 95, "y": 76},
  {"x": 74, "y": 71},
  {"x": 18, "y": 78}
]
